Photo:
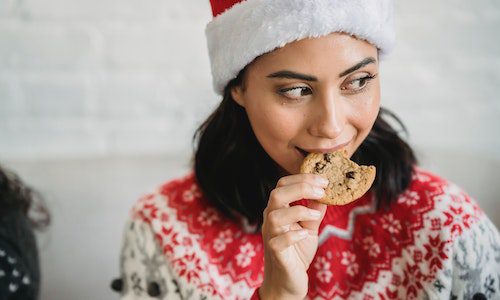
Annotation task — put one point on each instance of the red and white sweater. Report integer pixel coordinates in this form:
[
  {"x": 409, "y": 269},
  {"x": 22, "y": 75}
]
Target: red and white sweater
[{"x": 433, "y": 243}]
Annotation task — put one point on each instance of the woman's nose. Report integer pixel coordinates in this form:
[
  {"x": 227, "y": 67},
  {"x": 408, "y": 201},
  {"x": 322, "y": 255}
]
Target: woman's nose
[{"x": 329, "y": 117}]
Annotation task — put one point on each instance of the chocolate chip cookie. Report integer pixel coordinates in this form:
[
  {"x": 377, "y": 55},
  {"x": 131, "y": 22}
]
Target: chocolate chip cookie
[{"x": 347, "y": 180}]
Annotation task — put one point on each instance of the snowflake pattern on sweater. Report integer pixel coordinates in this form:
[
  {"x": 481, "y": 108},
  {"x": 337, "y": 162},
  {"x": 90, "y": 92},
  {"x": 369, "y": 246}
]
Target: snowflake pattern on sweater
[{"x": 434, "y": 242}]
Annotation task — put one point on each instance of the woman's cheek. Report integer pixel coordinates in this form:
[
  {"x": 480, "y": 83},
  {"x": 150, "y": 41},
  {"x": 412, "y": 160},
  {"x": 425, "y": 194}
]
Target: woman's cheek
[
  {"x": 281, "y": 124},
  {"x": 367, "y": 108},
  {"x": 266, "y": 124}
]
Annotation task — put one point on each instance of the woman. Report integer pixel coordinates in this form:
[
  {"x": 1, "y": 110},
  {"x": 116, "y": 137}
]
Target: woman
[
  {"x": 21, "y": 212},
  {"x": 298, "y": 77}
]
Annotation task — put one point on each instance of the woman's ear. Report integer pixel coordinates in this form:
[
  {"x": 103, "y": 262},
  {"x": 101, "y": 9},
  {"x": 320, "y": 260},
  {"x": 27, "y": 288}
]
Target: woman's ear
[{"x": 237, "y": 94}]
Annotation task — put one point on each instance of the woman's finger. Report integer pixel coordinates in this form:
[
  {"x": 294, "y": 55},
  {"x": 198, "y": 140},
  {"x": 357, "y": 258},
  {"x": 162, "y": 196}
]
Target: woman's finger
[
  {"x": 312, "y": 179},
  {"x": 282, "y": 196},
  {"x": 313, "y": 225},
  {"x": 282, "y": 242},
  {"x": 279, "y": 220}
]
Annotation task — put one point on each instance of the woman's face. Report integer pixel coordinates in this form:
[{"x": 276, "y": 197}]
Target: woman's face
[{"x": 312, "y": 95}]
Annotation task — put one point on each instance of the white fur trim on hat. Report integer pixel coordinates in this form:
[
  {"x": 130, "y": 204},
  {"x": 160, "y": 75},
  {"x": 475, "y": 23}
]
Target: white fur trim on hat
[{"x": 254, "y": 27}]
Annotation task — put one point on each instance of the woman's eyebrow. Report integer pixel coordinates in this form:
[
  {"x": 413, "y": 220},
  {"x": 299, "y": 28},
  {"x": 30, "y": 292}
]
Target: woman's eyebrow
[
  {"x": 364, "y": 62},
  {"x": 294, "y": 75}
]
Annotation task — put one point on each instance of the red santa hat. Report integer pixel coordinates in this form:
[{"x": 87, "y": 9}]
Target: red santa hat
[{"x": 242, "y": 30}]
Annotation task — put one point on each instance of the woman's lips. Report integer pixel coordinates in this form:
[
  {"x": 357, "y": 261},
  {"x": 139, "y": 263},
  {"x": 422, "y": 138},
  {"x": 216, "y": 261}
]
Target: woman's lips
[
  {"x": 305, "y": 152},
  {"x": 301, "y": 152}
]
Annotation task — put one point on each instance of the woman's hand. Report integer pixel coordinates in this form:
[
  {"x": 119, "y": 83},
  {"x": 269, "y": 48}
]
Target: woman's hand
[{"x": 290, "y": 235}]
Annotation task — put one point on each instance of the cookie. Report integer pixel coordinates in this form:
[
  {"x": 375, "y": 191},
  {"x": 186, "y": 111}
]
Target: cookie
[{"x": 347, "y": 180}]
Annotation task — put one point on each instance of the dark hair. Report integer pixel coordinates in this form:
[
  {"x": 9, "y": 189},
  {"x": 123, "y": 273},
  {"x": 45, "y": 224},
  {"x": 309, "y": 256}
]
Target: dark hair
[
  {"x": 15, "y": 195},
  {"x": 236, "y": 174}
]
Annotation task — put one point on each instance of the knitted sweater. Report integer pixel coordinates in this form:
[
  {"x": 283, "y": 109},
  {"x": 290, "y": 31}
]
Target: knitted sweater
[
  {"x": 19, "y": 265},
  {"x": 434, "y": 242}
]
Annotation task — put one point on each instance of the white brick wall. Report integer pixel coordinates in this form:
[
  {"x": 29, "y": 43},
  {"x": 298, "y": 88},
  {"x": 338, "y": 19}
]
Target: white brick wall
[
  {"x": 94, "y": 78},
  {"x": 444, "y": 77},
  {"x": 97, "y": 78}
]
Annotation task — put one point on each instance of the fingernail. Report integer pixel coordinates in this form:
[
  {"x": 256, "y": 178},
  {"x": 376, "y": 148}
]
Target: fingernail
[
  {"x": 314, "y": 213},
  {"x": 322, "y": 181},
  {"x": 318, "y": 191}
]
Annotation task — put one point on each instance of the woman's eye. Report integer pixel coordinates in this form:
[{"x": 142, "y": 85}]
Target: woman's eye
[
  {"x": 295, "y": 92},
  {"x": 358, "y": 84}
]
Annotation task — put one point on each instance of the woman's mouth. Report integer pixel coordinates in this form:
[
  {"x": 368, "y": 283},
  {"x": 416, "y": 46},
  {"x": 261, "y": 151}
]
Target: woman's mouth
[
  {"x": 305, "y": 152},
  {"x": 301, "y": 151}
]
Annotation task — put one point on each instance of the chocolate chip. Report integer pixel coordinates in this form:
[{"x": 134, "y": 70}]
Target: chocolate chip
[
  {"x": 153, "y": 289},
  {"x": 117, "y": 285},
  {"x": 350, "y": 175},
  {"x": 319, "y": 166},
  {"x": 328, "y": 157}
]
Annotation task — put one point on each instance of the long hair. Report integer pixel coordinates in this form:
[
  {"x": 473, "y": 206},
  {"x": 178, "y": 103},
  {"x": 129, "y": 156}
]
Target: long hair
[
  {"x": 15, "y": 195},
  {"x": 236, "y": 174}
]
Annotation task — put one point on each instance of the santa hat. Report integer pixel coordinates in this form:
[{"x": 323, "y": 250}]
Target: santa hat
[{"x": 242, "y": 30}]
